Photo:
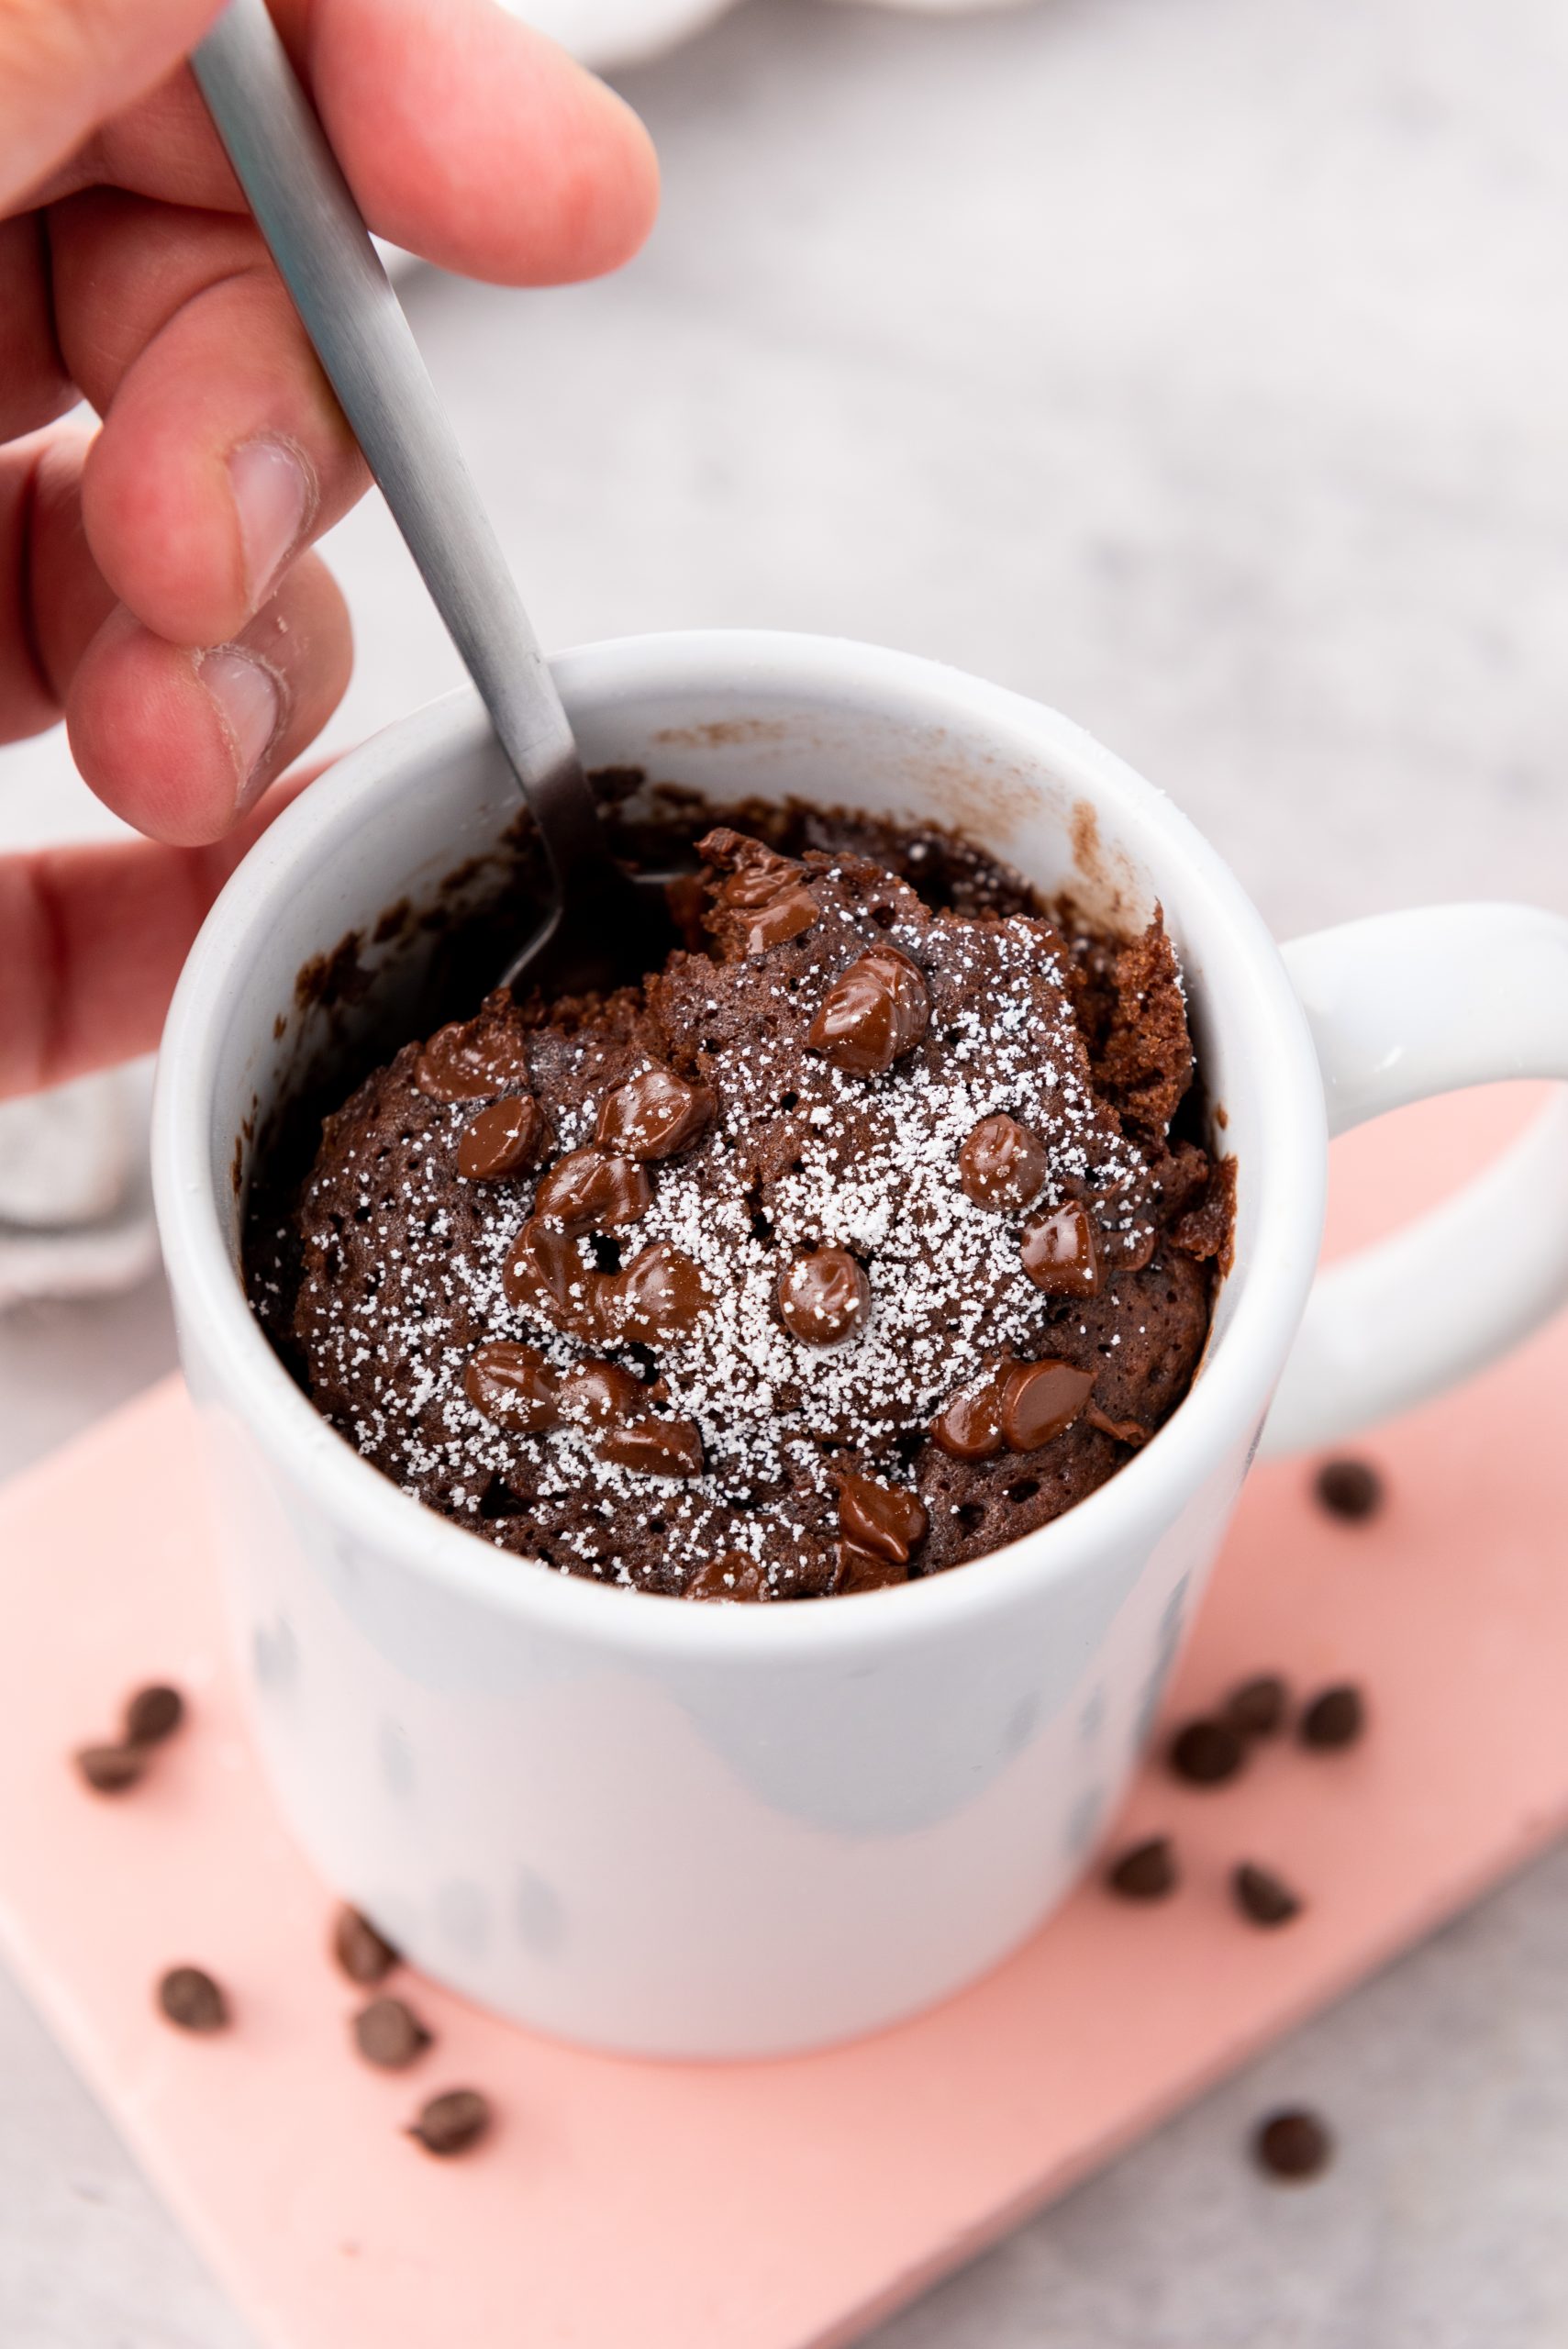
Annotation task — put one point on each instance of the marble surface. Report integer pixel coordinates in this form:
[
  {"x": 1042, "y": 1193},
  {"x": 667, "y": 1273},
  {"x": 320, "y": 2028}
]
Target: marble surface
[{"x": 1201, "y": 370}]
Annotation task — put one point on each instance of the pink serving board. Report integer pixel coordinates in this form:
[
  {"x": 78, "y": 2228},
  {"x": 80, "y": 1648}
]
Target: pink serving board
[{"x": 764, "y": 2205}]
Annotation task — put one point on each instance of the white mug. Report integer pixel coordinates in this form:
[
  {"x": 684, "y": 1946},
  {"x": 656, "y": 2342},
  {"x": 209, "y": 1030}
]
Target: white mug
[{"x": 704, "y": 1831}]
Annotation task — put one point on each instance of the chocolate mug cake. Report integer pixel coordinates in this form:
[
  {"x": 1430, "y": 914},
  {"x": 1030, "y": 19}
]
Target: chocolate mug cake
[{"x": 868, "y": 1233}]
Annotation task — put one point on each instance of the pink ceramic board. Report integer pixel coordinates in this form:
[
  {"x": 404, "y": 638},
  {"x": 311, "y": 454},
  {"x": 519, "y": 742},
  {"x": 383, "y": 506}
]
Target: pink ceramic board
[{"x": 764, "y": 2205}]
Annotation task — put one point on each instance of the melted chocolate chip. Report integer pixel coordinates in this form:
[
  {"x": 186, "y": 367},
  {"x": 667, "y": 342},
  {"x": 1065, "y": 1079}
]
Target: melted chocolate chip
[
  {"x": 873, "y": 1013},
  {"x": 111, "y": 1769},
  {"x": 1039, "y": 1399},
  {"x": 451, "y": 2124},
  {"x": 1294, "y": 2145},
  {"x": 732, "y": 1578},
  {"x": 760, "y": 873},
  {"x": 1128, "y": 1432},
  {"x": 546, "y": 1278},
  {"x": 471, "y": 1061},
  {"x": 590, "y": 1190},
  {"x": 1147, "y": 1872},
  {"x": 1207, "y": 1752},
  {"x": 887, "y": 1520},
  {"x": 653, "y": 1114},
  {"x": 660, "y": 1294},
  {"x": 501, "y": 1139},
  {"x": 1335, "y": 1718},
  {"x": 597, "y": 1392},
  {"x": 969, "y": 1426},
  {"x": 389, "y": 2034},
  {"x": 514, "y": 1387},
  {"x": 1059, "y": 1252},
  {"x": 860, "y": 1569},
  {"x": 192, "y": 2001},
  {"x": 1002, "y": 1165},
  {"x": 824, "y": 1298},
  {"x": 152, "y": 1714},
  {"x": 656, "y": 1447},
  {"x": 363, "y": 1955},
  {"x": 1263, "y": 1896},
  {"x": 785, "y": 917}
]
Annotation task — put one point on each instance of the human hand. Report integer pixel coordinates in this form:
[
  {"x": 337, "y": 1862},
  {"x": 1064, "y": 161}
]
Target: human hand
[{"x": 156, "y": 585}]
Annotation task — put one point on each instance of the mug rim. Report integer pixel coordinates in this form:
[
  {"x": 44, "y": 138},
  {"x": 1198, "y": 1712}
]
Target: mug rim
[{"x": 1231, "y": 1394}]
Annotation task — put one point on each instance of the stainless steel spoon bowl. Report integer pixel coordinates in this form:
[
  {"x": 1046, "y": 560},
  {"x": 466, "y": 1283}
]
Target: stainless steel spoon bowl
[{"x": 605, "y": 922}]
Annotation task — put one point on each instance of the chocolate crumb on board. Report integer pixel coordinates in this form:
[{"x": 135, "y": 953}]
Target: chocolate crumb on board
[
  {"x": 1262, "y": 1897},
  {"x": 1349, "y": 1488},
  {"x": 110, "y": 1769},
  {"x": 1293, "y": 2145},
  {"x": 153, "y": 1713},
  {"x": 1335, "y": 1718},
  {"x": 192, "y": 2001},
  {"x": 1146, "y": 1872},
  {"x": 389, "y": 2034},
  {"x": 452, "y": 2122},
  {"x": 1207, "y": 1752},
  {"x": 1256, "y": 1708},
  {"x": 363, "y": 1953}
]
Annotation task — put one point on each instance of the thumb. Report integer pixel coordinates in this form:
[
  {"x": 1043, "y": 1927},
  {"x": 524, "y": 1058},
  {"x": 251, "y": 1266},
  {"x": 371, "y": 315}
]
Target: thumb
[{"x": 67, "y": 65}]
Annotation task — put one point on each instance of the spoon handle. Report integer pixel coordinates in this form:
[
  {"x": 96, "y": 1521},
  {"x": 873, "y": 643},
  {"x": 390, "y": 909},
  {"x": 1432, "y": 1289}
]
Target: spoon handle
[{"x": 318, "y": 237}]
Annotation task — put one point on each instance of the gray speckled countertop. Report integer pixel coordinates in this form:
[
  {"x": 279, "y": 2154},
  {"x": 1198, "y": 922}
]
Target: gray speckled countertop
[{"x": 1201, "y": 368}]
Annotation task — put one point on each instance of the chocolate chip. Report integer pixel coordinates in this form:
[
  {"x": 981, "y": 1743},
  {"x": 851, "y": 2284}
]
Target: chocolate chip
[
  {"x": 656, "y": 1447},
  {"x": 1336, "y": 1718},
  {"x": 1350, "y": 1489},
  {"x": 1129, "y": 1431},
  {"x": 471, "y": 1061},
  {"x": 968, "y": 1425},
  {"x": 545, "y": 1277},
  {"x": 824, "y": 1298},
  {"x": 110, "y": 1769},
  {"x": 653, "y": 1114},
  {"x": 732, "y": 1576},
  {"x": 660, "y": 1294},
  {"x": 513, "y": 1386},
  {"x": 597, "y": 1392},
  {"x": 1263, "y": 1896},
  {"x": 887, "y": 1520},
  {"x": 1257, "y": 1708},
  {"x": 1002, "y": 1165},
  {"x": 1059, "y": 1252},
  {"x": 389, "y": 2034},
  {"x": 874, "y": 1012},
  {"x": 860, "y": 1569},
  {"x": 364, "y": 1955},
  {"x": 1147, "y": 1872},
  {"x": 785, "y": 917},
  {"x": 758, "y": 873},
  {"x": 192, "y": 1999},
  {"x": 501, "y": 1139},
  {"x": 152, "y": 1714},
  {"x": 452, "y": 2123},
  {"x": 1294, "y": 2145},
  {"x": 1039, "y": 1399},
  {"x": 1207, "y": 1752},
  {"x": 590, "y": 1190}
]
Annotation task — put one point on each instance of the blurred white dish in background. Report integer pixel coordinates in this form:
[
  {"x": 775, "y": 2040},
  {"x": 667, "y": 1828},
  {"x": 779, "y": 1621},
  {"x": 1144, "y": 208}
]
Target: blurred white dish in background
[
  {"x": 75, "y": 1206},
  {"x": 616, "y": 32}
]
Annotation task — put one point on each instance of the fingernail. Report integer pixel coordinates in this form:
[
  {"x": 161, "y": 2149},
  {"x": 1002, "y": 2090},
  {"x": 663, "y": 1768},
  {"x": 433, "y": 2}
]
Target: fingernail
[
  {"x": 249, "y": 703},
  {"x": 273, "y": 496}
]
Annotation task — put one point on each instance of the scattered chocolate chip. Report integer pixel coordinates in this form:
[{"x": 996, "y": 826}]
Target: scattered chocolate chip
[
  {"x": 653, "y": 1114},
  {"x": 192, "y": 1999},
  {"x": 1039, "y": 1399},
  {"x": 545, "y": 1277},
  {"x": 1058, "y": 1254},
  {"x": 658, "y": 1295},
  {"x": 887, "y": 1520},
  {"x": 389, "y": 2034},
  {"x": 152, "y": 1714},
  {"x": 1336, "y": 1718},
  {"x": 472, "y": 1060},
  {"x": 501, "y": 1139},
  {"x": 860, "y": 1569},
  {"x": 110, "y": 1769},
  {"x": 656, "y": 1447},
  {"x": 1257, "y": 1708},
  {"x": 824, "y": 1298},
  {"x": 1147, "y": 1872},
  {"x": 1002, "y": 1165},
  {"x": 732, "y": 1576},
  {"x": 968, "y": 1425},
  {"x": 599, "y": 1392},
  {"x": 452, "y": 2123},
  {"x": 1294, "y": 2145},
  {"x": 873, "y": 1013},
  {"x": 514, "y": 1387},
  {"x": 363, "y": 1955},
  {"x": 1207, "y": 1752},
  {"x": 591, "y": 1190},
  {"x": 1350, "y": 1489},
  {"x": 1263, "y": 1896}
]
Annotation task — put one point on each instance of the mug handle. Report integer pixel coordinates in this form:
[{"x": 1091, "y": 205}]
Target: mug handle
[{"x": 1401, "y": 1007}]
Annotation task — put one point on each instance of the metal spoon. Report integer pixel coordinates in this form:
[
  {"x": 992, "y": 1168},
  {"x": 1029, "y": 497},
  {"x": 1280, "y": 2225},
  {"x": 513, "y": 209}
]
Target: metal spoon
[{"x": 605, "y": 922}]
